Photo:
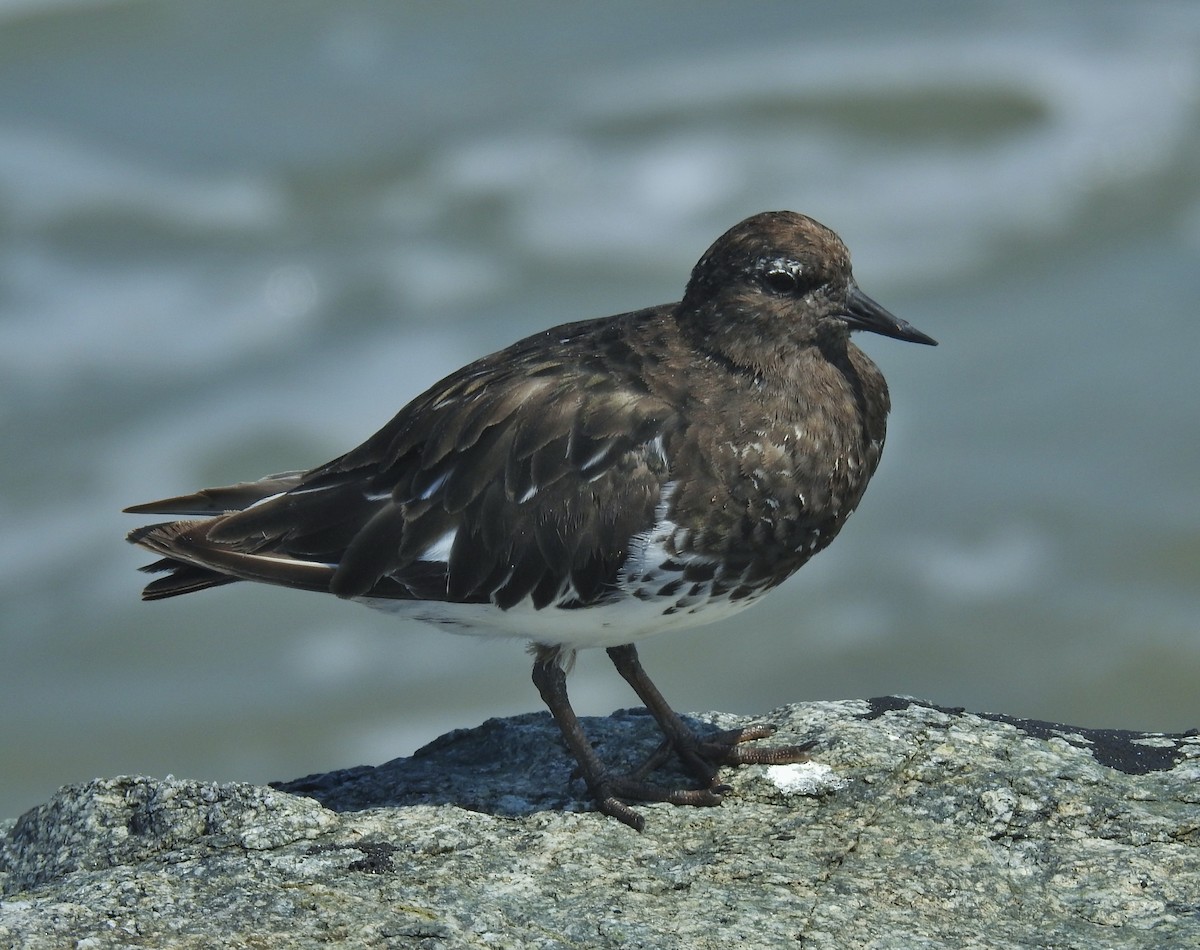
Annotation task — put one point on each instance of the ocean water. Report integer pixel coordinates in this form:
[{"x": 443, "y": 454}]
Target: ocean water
[{"x": 235, "y": 237}]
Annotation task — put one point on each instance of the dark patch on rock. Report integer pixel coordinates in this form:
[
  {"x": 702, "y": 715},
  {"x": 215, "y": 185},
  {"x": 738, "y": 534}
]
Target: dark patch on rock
[{"x": 1128, "y": 751}]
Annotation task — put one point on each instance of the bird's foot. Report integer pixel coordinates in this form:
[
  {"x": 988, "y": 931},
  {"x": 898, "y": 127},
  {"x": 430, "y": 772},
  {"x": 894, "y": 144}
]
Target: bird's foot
[
  {"x": 702, "y": 757},
  {"x": 729, "y": 748},
  {"x": 613, "y": 793}
]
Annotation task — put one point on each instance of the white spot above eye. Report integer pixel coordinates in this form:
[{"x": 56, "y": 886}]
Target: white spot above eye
[{"x": 783, "y": 265}]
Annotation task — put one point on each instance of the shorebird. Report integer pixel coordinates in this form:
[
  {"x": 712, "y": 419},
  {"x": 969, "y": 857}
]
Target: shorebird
[{"x": 592, "y": 485}]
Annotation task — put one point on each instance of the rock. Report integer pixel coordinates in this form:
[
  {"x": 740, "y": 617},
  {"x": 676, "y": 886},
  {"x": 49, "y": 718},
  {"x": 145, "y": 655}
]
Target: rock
[{"x": 915, "y": 826}]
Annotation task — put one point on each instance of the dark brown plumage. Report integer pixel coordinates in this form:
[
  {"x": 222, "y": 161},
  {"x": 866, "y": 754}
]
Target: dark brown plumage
[{"x": 594, "y": 483}]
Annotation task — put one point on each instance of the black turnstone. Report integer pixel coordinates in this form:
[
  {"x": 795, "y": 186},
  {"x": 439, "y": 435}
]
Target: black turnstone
[{"x": 592, "y": 485}]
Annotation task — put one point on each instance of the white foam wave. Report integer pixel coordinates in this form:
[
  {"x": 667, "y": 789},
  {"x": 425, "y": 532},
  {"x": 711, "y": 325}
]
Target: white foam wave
[
  {"x": 1016, "y": 131},
  {"x": 46, "y": 176}
]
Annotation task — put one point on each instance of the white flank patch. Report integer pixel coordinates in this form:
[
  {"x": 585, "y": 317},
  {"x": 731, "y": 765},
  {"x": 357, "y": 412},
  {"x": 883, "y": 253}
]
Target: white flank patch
[
  {"x": 648, "y": 550},
  {"x": 659, "y": 449},
  {"x": 805, "y": 778},
  {"x": 439, "y": 551}
]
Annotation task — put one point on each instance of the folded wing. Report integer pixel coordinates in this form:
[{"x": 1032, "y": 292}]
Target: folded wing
[{"x": 485, "y": 489}]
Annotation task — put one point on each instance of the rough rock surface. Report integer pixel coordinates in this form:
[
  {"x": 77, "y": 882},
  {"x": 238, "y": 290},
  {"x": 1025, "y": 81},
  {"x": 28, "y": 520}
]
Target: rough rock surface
[{"x": 917, "y": 826}]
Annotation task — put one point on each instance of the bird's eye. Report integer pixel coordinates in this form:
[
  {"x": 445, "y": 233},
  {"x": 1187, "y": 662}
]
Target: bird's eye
[{"x": 781, "y": 281}]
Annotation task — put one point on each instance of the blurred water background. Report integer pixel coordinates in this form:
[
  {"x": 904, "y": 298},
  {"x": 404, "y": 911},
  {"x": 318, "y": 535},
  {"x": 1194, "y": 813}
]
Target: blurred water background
[{"x": 235, "y": 237}]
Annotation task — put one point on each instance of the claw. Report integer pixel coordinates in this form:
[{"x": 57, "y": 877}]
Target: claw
[{"x": 732, "y": 751}]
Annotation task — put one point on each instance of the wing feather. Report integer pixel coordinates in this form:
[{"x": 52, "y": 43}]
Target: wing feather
[{"x": 540, "y": 468}]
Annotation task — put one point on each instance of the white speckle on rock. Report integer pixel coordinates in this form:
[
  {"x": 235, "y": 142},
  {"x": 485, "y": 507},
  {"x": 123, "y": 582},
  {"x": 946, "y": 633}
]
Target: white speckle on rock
[{"x": 805, "y": 778}]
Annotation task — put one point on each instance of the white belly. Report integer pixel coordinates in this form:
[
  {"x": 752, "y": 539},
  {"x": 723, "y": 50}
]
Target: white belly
[{"x": 607, "y": 625}]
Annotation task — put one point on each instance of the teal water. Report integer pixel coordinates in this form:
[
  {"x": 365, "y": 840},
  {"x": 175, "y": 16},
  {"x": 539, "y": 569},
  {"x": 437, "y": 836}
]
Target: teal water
[{"x": 236, "y": 237}]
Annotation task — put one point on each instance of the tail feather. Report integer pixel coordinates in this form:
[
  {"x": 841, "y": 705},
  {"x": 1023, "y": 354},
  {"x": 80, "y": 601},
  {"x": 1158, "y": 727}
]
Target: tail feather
[
  {"x": 218, "y": 501},
  {"x": 183, "y": 579},
  {"x": 192, "y": 562}
]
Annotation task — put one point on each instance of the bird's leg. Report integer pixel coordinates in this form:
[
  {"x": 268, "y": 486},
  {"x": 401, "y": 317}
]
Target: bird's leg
[
  {"x": 700, "y": 756},
  {"x": 606, "y": 788}
]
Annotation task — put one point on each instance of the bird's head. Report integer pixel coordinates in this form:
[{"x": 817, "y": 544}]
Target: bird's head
[{"x": 784, "y": 280}]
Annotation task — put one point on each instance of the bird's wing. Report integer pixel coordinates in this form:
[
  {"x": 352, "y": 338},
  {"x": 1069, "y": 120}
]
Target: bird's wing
[{"x": 523, "y": 475}]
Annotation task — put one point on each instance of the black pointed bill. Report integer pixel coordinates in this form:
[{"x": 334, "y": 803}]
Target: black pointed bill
[{"x": 863, "y": 313}]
